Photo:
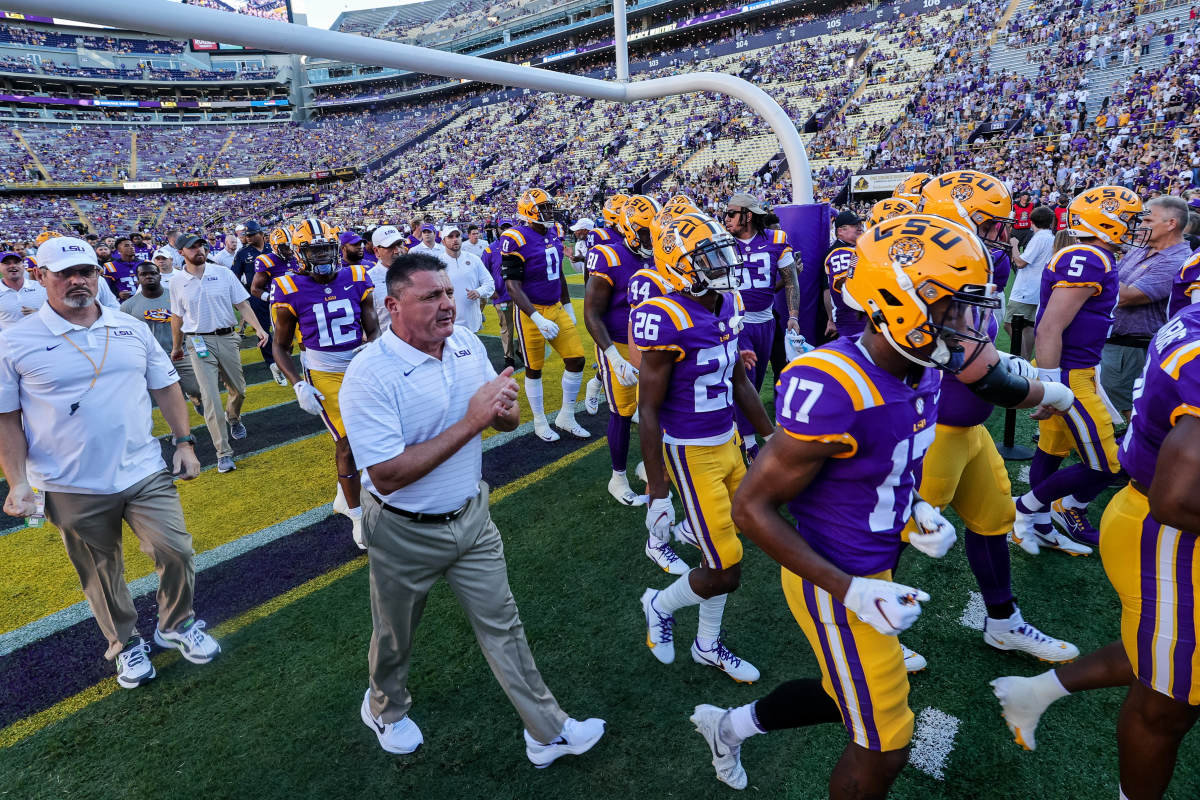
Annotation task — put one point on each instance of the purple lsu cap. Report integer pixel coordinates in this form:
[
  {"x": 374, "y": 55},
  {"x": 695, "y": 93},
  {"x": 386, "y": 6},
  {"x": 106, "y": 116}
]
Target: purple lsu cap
[{"x": 349, "y": 237}]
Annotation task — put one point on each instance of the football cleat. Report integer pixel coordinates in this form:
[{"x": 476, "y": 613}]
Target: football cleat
[
  {"x": 1015, "y": 633},
  {"x": 400, "y": 737},
  {"x": 1025, "y": 527},
  {"x": 1057, "y": 541},
  {"x": 543, "y": 430},
  {"x": 1021, "y": 706},
  {"x": 592, "y": 395},
  {"x": 565, "y": 421},
  {"x": 913, "y": 661},
  {"x": 659, "y": 629},
  {"x": 134, "y": 666},
  {"x": 576, "y": 738},
  {"x": 665, "y": 557},
  {"x": 726, "y": 760},
  {"x": 640, "y": 471},
  {"x": 1075, "y": 523},
  {"x": 191, "y": 640},
  {"x": 618, "y": 487},
  {"x": 723, "y": 659}
]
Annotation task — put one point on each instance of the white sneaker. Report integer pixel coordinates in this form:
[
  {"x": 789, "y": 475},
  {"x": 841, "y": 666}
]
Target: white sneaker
[
  {"x": 278, "y": 375},
  {"x": 1015, "y": 633},
  {"x": 724, "y": 660},
  {"x": 1021, "y": 706},
  {"x": 565, "y": 421},
  {"x": 134, "y": 666},
  {"x": 576, "y": 738},
  {"x": 665, "y": 557},
  {"x": 191, "y": 640},
  {"x": 640, "y": 471},
  {"x": 659, "y": 629},
  {"x": 683, "y": 532},
  {"x": 543, "y": 430},
  {"x": 1023, "y": 533},
  {"x": 913, "y": 661},
  {"x": 592, "y": 395},
  {"x": 726, "y": 760},
  {"x": 1060, "y": 541},
  {"x": 622, "y": 492},
  {"x": 401, "y": 737}
]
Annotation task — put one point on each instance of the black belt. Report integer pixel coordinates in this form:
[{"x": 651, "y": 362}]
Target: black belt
[
  {"x": 217, "y": 332},
  {"x": 1131, "y": 340},
  {"x": 421, "y": 516}
]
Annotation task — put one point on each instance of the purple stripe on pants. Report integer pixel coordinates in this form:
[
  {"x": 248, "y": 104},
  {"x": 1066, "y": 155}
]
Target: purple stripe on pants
[
  {"x": 1145, "y": 633},
  {"x": 865, "y": 707},
  {"x": 810, "y": 600},
  {"x": 696, "y": 516},
  {"x": 1090, "y": 432},
  {"x": 1185, "y": 620}
]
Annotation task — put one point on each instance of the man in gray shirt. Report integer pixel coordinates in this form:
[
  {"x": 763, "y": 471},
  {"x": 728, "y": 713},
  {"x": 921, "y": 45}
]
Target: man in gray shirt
[
  {"x": 152, "y": 305},
  {"x": 1147, "y": 274}
]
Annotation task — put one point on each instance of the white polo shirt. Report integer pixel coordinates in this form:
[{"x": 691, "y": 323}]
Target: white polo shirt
[
  {"x": 378, "y": 275},
  {"x": 466, "y": 273},
  {"x": 105, "y": 445},
  {"x": 30, "y": 295},
  {"x": 206, "y": 303},
  {"x": 394, "y": 396}
]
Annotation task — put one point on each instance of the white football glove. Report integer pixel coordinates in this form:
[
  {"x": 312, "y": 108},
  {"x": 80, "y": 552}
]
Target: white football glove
[
  {"x": 627, "y": 374},
  {"x": 890, "y": 608},
  {"x": 547, "y": 327},
  {"x": 1057, "y": 395},
  {"x": 1052, "y": 375},
  {"x": 934, "y": 535},
  {"x": 1019, "y": 366},
  {"x": 660, "y": 516},
  {"x": 309, "y": 398},
  {"x": 570, "y": 309}
]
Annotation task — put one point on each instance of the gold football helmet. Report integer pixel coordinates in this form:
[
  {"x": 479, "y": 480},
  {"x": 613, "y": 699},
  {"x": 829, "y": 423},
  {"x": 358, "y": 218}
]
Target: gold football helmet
[
  {"x": 281, "y": 241},
  {"x": 888, "y": 208},
  {"x": 975, "y": 199},
  {"x": 611, "y": 213},
  {"x": 536, "y": 206},
  {"x": 925, "y": 283},
  {"x": 637, "y": 222},
  {"x": 910, "y": 188},
  {"x": 694, "y": 253},
  {"x": 1110, "y": 213},
  {"x": 316, "y": 247}
]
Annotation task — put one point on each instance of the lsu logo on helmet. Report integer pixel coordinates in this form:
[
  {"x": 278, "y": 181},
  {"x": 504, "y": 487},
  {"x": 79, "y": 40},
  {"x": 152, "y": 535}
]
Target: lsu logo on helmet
[
  {"x": 694, "y": 253},
  {"x": 1110, "y": 213},
  {"x": 888, "y": 208},
  {"x": 637, "y": 222},
  {"x": 975, "y": 199},
  {"x": 536, "y": 206}
]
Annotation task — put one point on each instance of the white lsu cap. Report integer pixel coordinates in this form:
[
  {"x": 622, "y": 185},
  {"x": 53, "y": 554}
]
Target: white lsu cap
[
  {"x": 64, "y": 252},
  {"x": 449, "y": 229},
  {"x": 162, "y": 251},
  {"x": 386, "y": 236},
  {"x": 584, "y": 224}
]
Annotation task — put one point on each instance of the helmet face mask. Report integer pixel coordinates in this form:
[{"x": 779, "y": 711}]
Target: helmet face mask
[
  {"x": 696, "y": 255},
  {"x": 637, "y": 224},
  {"x": 714, "y": 266},
  {"x": 317, "y": 248},
  {"x": 536, "y": 207}
]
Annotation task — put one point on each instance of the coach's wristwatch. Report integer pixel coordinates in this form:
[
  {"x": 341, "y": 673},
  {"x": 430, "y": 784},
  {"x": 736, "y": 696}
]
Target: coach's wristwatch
[{"x": 185, "y": 439}]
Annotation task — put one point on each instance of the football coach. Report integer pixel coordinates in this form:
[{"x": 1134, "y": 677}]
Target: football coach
[
  {"x": 75, "y": 384},
  {"x": 415, "y": 402}
]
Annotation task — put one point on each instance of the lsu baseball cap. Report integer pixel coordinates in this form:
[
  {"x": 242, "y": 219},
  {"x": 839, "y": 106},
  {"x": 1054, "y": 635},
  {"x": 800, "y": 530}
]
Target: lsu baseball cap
[
  {"x": 64, "y": 252},
  {"x": 162, "y": 251},
  {"x": 585, "y": 224},
  {"x": 386, "y": 236},
  {"x": 428, "y": 227},
  {"x": 748, "y": 202},
  {"x": 7, "y": 254},
  {"x": 349, "y": 237},
  {"x": 187, "y": 240},
  {"x": 449, "y": 229},
  {"x": 846, "y": 217},
  {"x": 252, "y": 226}
]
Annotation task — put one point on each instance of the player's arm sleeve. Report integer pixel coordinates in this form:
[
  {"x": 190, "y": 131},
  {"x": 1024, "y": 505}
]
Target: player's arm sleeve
[
  {"x": 373, "y": 422},
  {"x": 512, "y": 267},
  {"x": 655, "y": 327},
  {"x": 261, "y": 263},
  {"x": 814, "y": 405}
]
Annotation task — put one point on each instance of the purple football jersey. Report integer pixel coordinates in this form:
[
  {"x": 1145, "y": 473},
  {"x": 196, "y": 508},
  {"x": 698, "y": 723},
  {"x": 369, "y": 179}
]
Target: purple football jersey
[
  {"x": 615, "y": 264},
  {"x": 698, "y": 407},
  {"x": 960, "y": 406},
  {"x": 492, "y": 259},
  {"x": 644, "y": 284},
  {"x": 604, "y": 235},
  {"x": 1186, "y": 282},
  {"x": 275, "y": 265},
  {"x": 854, "y": 509},
  {"x": 1082, "y": 265},
  {"x": 849, "y": 322},
  {"x": 1001, "y": 267},
  {"x": 121, "y": 276},
  {"x": 1168, "y": 389},
  {"x": 543, "y": 255},
  {"x": 759, "y": 274},
  {"x": 328, "y": 315}
]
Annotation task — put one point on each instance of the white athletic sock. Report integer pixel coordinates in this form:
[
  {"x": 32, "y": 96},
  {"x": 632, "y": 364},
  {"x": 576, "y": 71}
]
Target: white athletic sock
[
  {"x": 1030, "y": 501},
  {"x": 533, "y": 393},
  {"x": 571, "y": 381},
  {"x": 1048, "y": 687},
  {"x": 676, "y": 596},
  {"x": 739, "y": 725},
  {"x": 712, "y": 609},
  {"x": 1070, "y": 501}
]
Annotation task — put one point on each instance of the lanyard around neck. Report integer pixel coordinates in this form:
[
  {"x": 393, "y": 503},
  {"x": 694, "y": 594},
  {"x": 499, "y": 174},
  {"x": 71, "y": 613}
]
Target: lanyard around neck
[{"x": 96, "y": 370}]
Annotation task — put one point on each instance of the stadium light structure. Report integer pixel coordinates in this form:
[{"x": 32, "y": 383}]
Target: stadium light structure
[
  {"x": 194, "y": 22},
  {"x": 620, "y": 40}
]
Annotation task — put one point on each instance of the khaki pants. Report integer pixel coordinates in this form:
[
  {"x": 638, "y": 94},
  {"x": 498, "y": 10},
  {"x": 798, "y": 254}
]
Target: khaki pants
[
  {"x": 91, "y": 532},
  {"x": 224, "y": 360},
  {"x": 406, "y": 558},
  {"x": 505, "y": 312}
]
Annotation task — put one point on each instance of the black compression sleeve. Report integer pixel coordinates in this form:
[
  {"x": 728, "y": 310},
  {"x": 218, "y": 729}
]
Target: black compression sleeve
[
  {"x": 1000, "y": 387},
  {"x": 512, "y": 268},
  {"x": 796, "y": 704}
]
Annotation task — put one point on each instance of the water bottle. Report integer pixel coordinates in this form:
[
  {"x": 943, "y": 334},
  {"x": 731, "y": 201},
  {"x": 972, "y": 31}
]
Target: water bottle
[
  {"x": 38, "y": 518},
  {"x": 795, "y": 345}
]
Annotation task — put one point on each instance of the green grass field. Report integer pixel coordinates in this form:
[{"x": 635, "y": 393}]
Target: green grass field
[{"x": 276, "y": 716}]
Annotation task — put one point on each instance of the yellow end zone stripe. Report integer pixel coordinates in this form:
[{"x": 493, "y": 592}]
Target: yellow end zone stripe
[{"x": 24, "y": 728}]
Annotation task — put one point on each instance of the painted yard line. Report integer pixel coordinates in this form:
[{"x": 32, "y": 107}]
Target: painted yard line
[
  {"x": 975, "y": 613},
  {"x": 933, "y": 742},
  {"x": 25, "y": 728},
  {"x": 60, "y": 620}
]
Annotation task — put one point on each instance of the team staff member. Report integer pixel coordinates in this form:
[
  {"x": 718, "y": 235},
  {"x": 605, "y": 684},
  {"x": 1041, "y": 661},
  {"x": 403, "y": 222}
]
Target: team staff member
[
  {"x": 388, "y": 244},
  {"x": 152, "y": 305},
  {"x": 19, "y": 296},
  {"x": 75, "y": 386},
  {"x": 245, "y": 263},
  {"x": 501, "y": 300},
  {"x": 416, "y": 401},
  {"x": 844, "y": 322},
  {"x": 203, "y": 298},
  {"x": 472, "y": 282}
]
